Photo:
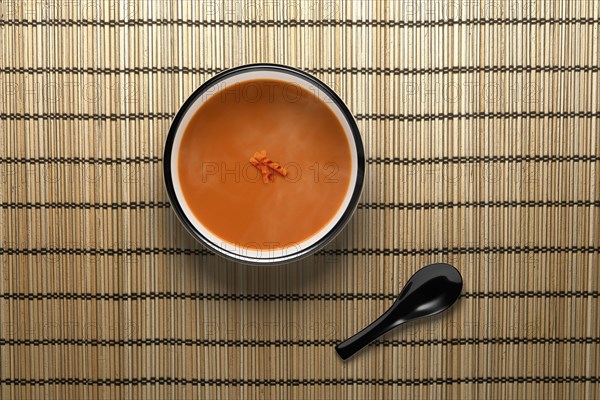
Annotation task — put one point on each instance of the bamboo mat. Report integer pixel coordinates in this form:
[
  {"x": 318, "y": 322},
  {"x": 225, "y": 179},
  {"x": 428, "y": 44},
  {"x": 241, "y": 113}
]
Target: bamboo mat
[{"x": 480, "y": 123}]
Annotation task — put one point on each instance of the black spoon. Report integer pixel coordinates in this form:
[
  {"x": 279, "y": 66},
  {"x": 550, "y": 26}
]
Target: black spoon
[{"x": 431, "y": 290}]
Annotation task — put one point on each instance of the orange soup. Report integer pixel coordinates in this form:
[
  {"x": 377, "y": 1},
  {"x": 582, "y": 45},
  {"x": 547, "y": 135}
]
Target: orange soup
[{"x": 231, "y": 197}]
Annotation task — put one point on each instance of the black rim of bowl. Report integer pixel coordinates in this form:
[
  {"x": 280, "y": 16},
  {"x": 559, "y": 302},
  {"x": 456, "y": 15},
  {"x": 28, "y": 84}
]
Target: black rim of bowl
[{"x": 295, "y": 256}]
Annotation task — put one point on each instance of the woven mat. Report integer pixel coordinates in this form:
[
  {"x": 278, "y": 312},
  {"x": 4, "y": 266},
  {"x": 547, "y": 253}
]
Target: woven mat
[{"x": 480, "y": 124}]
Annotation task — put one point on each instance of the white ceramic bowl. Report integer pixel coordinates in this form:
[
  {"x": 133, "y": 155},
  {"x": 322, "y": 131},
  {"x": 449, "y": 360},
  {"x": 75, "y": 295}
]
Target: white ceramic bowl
[{"x": 266, "y": 256}]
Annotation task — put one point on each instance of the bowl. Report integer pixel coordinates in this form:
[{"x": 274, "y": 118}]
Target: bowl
[{"x": 264, "y": 164}]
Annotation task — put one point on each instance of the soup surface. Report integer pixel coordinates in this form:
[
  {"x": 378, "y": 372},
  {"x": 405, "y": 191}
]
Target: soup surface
[{"x": 228, "y": 195}]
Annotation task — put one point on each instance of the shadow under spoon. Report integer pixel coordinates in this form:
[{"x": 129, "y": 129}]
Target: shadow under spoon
[{"x": 431, "y": 290}]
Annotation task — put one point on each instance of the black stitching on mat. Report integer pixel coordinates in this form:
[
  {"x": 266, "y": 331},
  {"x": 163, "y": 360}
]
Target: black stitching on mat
[
  {"x": 326, "y": 252},
  {"x": 479, "y": 115},
  {"x": 458, "y": 250},
  {"x": 298, "y": 382},
  {"x": 532, "y": 294},
  {"x": 79, "y": 160},
  {"x": 86, "y": 206},
  {"x": 300, "y": 23},
  {"x": 503, "y": 204},
  {"x": 286, "y": 342},
  {"x": 359, "y": 117},
  {"x": 484, "y": 159},
  {"x": 106, "y": 252},
  {"x": 372, "y": 160},
  {"x": 363, "y": 206},
  {"x": 455, "y": 69},
  {"x": 83, "y": 116},
  {"x": 331, "y": 70},
  {"x": 126, "y": 70},
  {"x": 280, "y": 296}
]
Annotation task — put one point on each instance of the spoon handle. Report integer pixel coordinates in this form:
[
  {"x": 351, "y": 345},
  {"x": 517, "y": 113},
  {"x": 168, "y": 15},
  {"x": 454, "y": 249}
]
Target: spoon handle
[{"x": 381, "y": 325}]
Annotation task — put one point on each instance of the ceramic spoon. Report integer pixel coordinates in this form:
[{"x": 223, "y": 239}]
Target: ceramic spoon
[{"x": 431, "y": 290}]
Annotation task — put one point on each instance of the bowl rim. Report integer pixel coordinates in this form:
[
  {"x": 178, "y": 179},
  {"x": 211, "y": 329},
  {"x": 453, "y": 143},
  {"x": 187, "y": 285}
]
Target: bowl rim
[{"x": 328, "y": 236}]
